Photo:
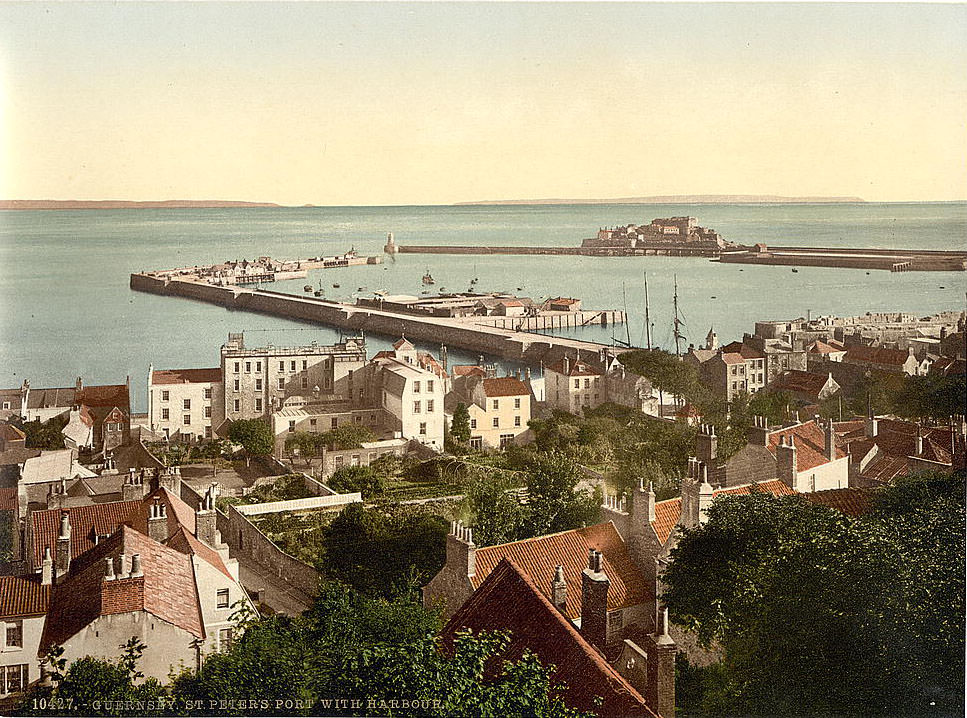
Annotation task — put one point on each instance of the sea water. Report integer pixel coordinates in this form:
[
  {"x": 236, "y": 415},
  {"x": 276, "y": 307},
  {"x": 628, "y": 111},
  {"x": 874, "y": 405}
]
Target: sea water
[{"x": 66, "y": 309}]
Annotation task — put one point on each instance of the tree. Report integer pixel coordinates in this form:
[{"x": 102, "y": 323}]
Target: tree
[
  {"x": 497, "y": 514},
  {"x": 348, "y": 436},
  {"x": 254, "y": 435},
  {"x": 460, "y": 426},
  {"x": 357, "y": 478},
  {"x": 42, "y": 435},
  {"x": 819, "y": 613},
  {"x": 308, "y": 443},
  {"x": 213, "y": 450},
  {"x": 666, "y": 372},
  {"x": 554, "y": 501}
]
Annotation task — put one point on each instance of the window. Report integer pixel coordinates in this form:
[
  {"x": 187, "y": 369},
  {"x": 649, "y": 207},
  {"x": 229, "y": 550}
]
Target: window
[
  {"x": 258, "y": 366},
  {"x": 496, "y": 421},
  {"x": 221, "y": 598},
  {"x": 587, "y": 383},
  {"x": 473, "y": 423},
  {"x": 15, "y": 634},
  {"x": 496, "y": 404},
  {"x": 236, "y": 367},
  {"x": 282, "y": 382},
  {"x": 305, "y": 382},
  {"x": 6, "y": 405},
  {"x": 312, "y": 422},
  {"x": 291, "y": 426},
  {"x": 164, "y": 415},
  {"x": 517, "y": 403},
  {"x": 281, "y": 366},
  {"x": 292, "y": 365},
  {"x": 236, "y": 385},
  {"x": 258, "y": 385},
  {"x": 186, "y": 419},
  {"x": 358, "y": 419},
  {"x": 355, "y": 460},
  {"x": 416, "y": 407},
  {"x": 258, "y": 405},
  {"x": 516, "y": 421},
  {"x": 305, "y": 364},
  {"x": 339, "y": 462},
  {"x": 248, "y": 366},
  {"x": 235, "y": 405},
  {"x": 165, "y": 395},
  {"x": 208, "y": 432},
  {"x": 506, "y": 440},
  {"x": 429, "y": 406},
  {"x": 429, "y": 386},
  {"x": 13, "y": 678},
  {"x": 372, "y": 456},
  {"x": 476, "y": 443},
  {"x": 224, "y": 639},
  {"x": 416, "y": 387},
  {"x": 334, "y": 423},
  {"x": 208, "y": 392},
  {"x": 577, "y": 383},
  {"x": 186, "y": 404},
  {"x": 422, "y": 428}
]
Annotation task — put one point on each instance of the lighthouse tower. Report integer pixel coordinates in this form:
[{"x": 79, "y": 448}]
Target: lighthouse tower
[{"x": 390, "y": 246}]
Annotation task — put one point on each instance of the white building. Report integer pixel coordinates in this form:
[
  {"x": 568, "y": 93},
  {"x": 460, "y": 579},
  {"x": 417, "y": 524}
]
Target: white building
[{"x": 185, "y": 404}]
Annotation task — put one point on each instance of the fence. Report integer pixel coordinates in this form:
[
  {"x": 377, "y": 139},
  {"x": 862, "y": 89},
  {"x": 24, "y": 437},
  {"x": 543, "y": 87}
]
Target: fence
[{"x": 310, "y": 504}]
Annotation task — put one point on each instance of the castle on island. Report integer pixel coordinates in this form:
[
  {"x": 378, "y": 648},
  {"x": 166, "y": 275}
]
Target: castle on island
[{"x": 661, "y": 232}]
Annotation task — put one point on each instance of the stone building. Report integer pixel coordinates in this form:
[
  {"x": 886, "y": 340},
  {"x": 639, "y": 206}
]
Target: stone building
[
  {"x": 499, "y": 409},
  {"x": 805, "y": 386},
  {"x": 258, "y": 381},
  {"x": 893, "y": 361},
  {"x": 185, "y": 404}
]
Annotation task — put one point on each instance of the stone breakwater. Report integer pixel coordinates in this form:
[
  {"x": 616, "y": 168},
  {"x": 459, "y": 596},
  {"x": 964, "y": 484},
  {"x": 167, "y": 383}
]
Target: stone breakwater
[{"x": 526, "y": 347}]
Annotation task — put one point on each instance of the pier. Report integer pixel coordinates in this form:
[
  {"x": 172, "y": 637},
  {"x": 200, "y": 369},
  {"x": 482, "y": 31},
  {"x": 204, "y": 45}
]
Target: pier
[
  {"x": 506, "y": 337},
  {"x": 894, "y": 260},
  {"x": 669, "y": 250}
]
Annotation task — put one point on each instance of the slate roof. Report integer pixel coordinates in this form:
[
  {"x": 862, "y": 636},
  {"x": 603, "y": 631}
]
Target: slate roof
[
  {"x": 186, "y": 376},
  {"x": 576, "y": 368},
  {"x": 109, "y": 395},
  {"x": 52, "y": 398},
  {"x": 810, "y": 441},
  {"x": 9, "y": 432},
  {"x": 743, "y": 350},
  {"x": 877, "y": 355},
  {"x": 505, "y": 386},
  {"x": 538, "y": 557},
  {"x": 510, "y": 600},
  {"x": 669, "y": 511},
  {"x": 801, "y": 382},
  {"x": 22, "y": 596},
  {"x": 167, "y": 590},
  {"x": 886, "y": 468},
  {"x": 87, "y": 522}
]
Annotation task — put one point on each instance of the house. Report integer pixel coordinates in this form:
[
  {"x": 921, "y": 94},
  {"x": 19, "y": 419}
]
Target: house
[
  {"x": 572, "y": 385},
  {"x": 563, "y": 304},
  {"x": 23, "y": 606},
  {"x": 945, "y": 366},
  {"x": 499, "y": 409},
  {"x": 639, "y": 682},
  {"x": 734, "y": 369},
  {"x": 13, "y": 401},
  {"x": 894, "y": 361},
  {"x": 821, "y": 351},
  {"x": 185, "y": 404},
  {"x": 805, "y": 386},
  {"x": 630, "y": 598}
]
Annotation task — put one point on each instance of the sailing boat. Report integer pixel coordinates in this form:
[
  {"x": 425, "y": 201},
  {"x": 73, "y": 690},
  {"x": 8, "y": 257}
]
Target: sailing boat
[
  {"x": 677, "y": 322},
  {"x": 318, "y": 292},
  {"x": 428, "y": 278}
]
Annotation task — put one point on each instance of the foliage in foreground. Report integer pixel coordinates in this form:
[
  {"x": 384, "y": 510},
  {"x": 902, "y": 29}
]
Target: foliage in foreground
[{"x": 817, "y": 613}]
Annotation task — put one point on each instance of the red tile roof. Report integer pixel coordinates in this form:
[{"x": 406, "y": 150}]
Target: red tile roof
[
  {"x": 186, "y": 376},
  {"x": 743, "y": 350},
  {"x": 509, "y": 600},
  {"x": 852, "y": 502},
  {"x": 109, "y": 396},
  {"x": 179, "y": 513},
  {"x": 669, "y": 511},
  {"x": 819, "y": 347},
  {"x": 732, "y": 358},
  {"x": 468, "y": 370},
  {"x": 886, "y": 468},
  {"x": 167, "y": 590},
  {"x": 877, "y": 355},
  {"x": 505, "y": 386},
  {"x": 87, "y": 523},
  {"x": 9, "y": 499},
  {"x": 802, "y": 382},
  {"x": 810, "y": 441},
  {"x": 948, "y": 367},
  {"x": 186, "y": 543},
  {"x": 563, "y": 300},
  {"x": 539, "y": 556},
  {"x": 402, "y": 344},
  {"x": 9, "y": 432},
  {"x": 22, "y": 596}
]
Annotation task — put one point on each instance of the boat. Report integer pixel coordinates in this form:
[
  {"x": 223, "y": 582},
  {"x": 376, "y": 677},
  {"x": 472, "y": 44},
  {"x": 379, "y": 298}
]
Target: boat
[
  {"x": 336, "y": 285},
  {"x": 428, "y": 278},
  {"x": 318, "y": 292},
  {"x": 380, "y": 292},
  {"x": 795, "y": 271},
  {"x": 307, "y": 288},
  {"x": 360, "y": 289}
]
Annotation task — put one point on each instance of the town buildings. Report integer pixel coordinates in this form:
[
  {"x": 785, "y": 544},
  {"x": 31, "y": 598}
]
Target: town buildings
[
  {"x": 573, "y": 384},
  {"x": 673, "y": 230},
  {"x": 499, "y": 409},
  {"x": 185, "y": 404}
]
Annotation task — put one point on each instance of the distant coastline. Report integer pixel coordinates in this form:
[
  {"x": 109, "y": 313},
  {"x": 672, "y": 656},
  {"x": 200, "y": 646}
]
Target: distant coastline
[
  {"x": 127, "y": 204},
  {"x": 680, "y": 199}
]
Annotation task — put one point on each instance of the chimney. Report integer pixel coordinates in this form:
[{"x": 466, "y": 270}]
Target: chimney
[
  {"x": 688, "y": 517},
  {"x": 830, "y": 441},
  {"x": 122, "y": 566},
  {"x": 642, "y": 507},
  {"x": 109, "y": 569},
  {"x": 47, "y": 572},
  {"x": 660, "y": 692},
  {"x": 705, "y": 495},
  {"x": 461, "y": 550},
  {"x": 706, "y": 444},
  {"x": 567, "y": 366},
  {"x": 62, "y": 561},
  {"x": 786, "y": 469},
  {"x": 136, "y": 570},
  {"x": 157, "y": 521},
  {"x": 594, "y": 601},
  {"x": 919, "y": 441},
  {"x": 170, "y": 479},
  {"x": 133, "y": 487},
  {"x": 78, "y": 386},
  {"x": 759, "y": 433},
  {"x": 205, "y": 518},
  {"x": 559, "y": 589}
]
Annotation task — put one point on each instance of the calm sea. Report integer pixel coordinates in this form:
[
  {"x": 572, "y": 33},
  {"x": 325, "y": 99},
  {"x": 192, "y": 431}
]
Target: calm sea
[{"x": 66, "y": 310}]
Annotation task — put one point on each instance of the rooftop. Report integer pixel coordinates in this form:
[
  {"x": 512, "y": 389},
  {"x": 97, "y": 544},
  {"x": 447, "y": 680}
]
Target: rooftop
[{"x": 186, "y": 376}]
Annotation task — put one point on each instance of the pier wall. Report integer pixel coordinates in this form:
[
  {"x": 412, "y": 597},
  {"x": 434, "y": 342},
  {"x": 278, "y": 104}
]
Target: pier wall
[
  {"x": 674, "y": 251},
  {"x": 507, "y": 343}
]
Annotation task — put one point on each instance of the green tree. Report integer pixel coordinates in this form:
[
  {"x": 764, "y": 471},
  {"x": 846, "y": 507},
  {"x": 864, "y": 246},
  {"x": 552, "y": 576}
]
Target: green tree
[
  {"x": 460, "y": 426},
  {"x": 309, "y": 444},
  {"x": 667, "y": 372},
  {"x": 818, "y": 613},
  {"x": 42, "y": 435},
  {"x": 357, "y": 478},
  {"x": 214, "y": 450},
  {"x": 348, "y": 436},
  {"x": 554, "y": 500},
  {"x": 497, "y": 515},
  {"x": 253, "y": 435}
]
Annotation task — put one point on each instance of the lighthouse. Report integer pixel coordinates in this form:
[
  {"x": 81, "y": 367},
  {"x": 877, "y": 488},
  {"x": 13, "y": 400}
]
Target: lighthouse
[{"x": 390, "y": 246}]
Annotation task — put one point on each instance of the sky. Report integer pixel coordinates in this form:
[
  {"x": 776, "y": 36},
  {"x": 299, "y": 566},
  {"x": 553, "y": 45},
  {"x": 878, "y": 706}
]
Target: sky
[{"x": 435, "y": 103}]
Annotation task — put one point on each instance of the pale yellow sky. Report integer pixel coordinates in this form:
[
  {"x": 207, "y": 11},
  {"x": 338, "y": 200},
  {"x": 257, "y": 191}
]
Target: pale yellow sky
[{"x": 392, "y": 103}]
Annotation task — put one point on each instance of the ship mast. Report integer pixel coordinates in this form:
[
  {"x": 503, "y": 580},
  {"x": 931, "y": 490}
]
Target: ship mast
[
  {"x": 647, "y": 318},
  {"x": 677, "y": 322}
]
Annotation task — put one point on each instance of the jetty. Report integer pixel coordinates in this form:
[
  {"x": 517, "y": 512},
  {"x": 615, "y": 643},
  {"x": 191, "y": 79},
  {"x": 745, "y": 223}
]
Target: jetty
[
  {"x": 894, "y": 260},
  {"x": 505, "y": 331}
]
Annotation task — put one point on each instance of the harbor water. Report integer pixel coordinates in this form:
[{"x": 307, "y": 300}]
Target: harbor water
[{"x": 66, "y": 309}]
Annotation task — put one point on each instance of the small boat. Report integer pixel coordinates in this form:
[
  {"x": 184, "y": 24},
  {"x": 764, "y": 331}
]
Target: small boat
[
  {"x": 714, "y": 297},
  {"x": 360, "y": 289},
  {"x": 795, "y": 271},
  {"x": 318, "y": 292},
  {"x": 307, "y": 288},
  {"x": 336, "y": 285},
  {"x": 380, "y": 292},
  {"x": 943, "y": 287},
  {"x": 520, "y": 289},
  {"x": 867, "y": 272},
  {"x": 428, "y": 278}
]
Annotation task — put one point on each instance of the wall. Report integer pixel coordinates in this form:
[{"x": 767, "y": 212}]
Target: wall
[
  {"x": 833, "y": 475},
  {"x": 174, "y": 426},
  {"x": 209, "y": 580},
  {"x": 33, "y": 628},
  {"x": 316, "y": 502}
]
